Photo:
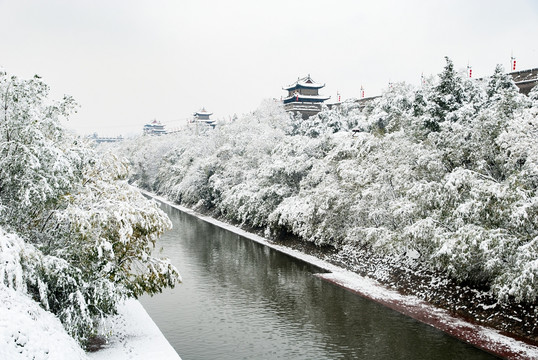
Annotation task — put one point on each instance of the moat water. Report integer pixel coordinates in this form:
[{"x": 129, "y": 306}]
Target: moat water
[{"x": 241, "y": 300}]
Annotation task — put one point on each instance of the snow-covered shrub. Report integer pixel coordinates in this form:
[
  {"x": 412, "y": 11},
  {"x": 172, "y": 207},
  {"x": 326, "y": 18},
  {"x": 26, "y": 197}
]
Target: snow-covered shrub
[
  {"x": 84, "y": 235},
  {"x": 340, "y": 118},
  {"x": 55, "y": 284}
]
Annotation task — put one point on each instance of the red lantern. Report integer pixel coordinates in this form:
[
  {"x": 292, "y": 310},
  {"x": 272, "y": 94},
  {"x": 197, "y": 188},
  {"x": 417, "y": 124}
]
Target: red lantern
[{"x": 514, "y": 66}]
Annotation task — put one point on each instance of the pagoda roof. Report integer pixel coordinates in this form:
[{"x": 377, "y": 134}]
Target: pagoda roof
[
  {"x": 203, "y": 112},
  {"x": 305, "y": 82},
  {"x": 207, "y": 121},
  {"x": 305, "y": 98},
  {"x": 154, "y": 123}
]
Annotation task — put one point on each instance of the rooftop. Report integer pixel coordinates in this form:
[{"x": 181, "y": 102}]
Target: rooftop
[
  {"x": 305, "y": 82},
  {"x": 303, "y": 97},
  {"x": 203, "y": 112}
]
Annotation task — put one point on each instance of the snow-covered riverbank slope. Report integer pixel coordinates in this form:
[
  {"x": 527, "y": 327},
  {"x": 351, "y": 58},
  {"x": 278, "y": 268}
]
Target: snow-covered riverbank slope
[
  {"x": 480, "y": 336},
  {"x": 134, "y": 336},
  {"x": 27, "y": 331}
]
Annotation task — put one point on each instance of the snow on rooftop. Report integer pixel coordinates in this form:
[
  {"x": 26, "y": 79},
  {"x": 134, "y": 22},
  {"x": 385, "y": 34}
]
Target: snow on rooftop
[
  {"x": 307, "y": 97},
  {"x": 306, "y": 82},
  {"x": 154, "y": 124},
  {"x": 203, "y": 112}
]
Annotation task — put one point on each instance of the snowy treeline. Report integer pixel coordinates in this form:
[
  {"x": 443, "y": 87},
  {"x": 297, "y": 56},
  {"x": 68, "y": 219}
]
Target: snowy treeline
[
  {"x": 446, "y": 173},
  {"x": 74, "y": 235}
]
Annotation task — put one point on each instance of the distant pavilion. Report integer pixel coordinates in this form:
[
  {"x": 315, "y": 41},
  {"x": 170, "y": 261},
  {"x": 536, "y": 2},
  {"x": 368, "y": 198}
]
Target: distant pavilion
[
  {"x": 303, "y": 97},
  {"x": 154, "y": 128},
  {"x": 202, "y": 116}
]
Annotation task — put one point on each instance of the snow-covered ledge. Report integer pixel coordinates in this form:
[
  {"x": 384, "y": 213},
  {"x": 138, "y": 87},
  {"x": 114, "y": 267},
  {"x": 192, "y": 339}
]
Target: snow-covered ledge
[{"x": 134, "y": 336}]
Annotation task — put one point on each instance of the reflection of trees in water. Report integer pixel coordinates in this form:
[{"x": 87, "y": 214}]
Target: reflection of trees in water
[{"x": 254, "y": 276}]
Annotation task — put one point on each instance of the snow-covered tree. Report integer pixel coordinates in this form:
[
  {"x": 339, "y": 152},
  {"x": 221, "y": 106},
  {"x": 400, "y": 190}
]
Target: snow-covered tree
[{"x": 84, "y": 235}]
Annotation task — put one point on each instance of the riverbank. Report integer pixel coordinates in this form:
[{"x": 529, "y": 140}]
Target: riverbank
[
  {"x": 133, "y": 335},
  {"x": 480, "y": 336},
  {"x": 27, "y": 331}
]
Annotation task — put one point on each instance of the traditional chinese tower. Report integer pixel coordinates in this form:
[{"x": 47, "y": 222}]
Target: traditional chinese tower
[
  {"x": 202, "y": 116},
  {"x": 303, "y": 97},
  {"x": 154, "y": 128}
]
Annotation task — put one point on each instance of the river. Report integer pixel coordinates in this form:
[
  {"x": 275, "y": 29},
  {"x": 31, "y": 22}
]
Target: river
[{"x": 242, "y": 300}]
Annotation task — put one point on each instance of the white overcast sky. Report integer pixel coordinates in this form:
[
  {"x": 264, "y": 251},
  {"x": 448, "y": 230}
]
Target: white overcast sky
[{"x": 129, "y": 62}]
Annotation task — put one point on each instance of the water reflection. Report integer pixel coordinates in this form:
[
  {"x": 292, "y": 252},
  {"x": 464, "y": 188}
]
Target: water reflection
[{"x": 241, "y": 300}]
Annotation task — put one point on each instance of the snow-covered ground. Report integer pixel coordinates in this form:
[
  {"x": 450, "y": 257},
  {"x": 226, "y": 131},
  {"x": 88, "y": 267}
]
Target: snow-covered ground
[
  {"x": 134, "y": 336},
  {"x": 480, "y": 336},
  {"x": 27, "y": 331}
]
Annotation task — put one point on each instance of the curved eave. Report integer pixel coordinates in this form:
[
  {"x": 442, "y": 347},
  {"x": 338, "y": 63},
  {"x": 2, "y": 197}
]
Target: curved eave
[
  {"x": 303, "y": 86},
  {"x": 305, "y": 98}
]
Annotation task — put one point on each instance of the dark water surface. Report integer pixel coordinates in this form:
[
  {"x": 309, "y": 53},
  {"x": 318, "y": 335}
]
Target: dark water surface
[{"x": 241, "y": 300}]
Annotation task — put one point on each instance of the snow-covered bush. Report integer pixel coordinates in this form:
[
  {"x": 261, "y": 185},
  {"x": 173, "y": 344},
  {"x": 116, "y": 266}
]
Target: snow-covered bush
[
  {"x": 342, "y": 118},
  {"x": 84, "y": 235}
]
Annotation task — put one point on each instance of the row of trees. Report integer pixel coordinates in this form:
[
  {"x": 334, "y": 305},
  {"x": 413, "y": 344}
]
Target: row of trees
[
  {"x": 74, "y": 235},
  {"x": 446, "y": 174}
]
